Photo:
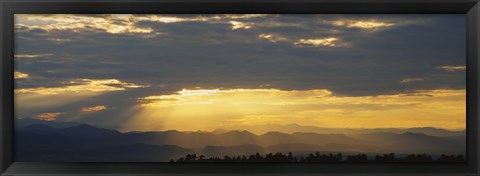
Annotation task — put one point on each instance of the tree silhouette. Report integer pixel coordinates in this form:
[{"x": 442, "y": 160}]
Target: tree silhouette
[
  {"x": 357, "y": 158},
  {"x": 451, "y": 158},
  {"x": 417, "y": 158},
  {"x": 318, "y": 157},
  {"x": 386, "y": 158}
]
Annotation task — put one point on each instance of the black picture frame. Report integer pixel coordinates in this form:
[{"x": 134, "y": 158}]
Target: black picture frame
[{"x": 10, "y": 7}]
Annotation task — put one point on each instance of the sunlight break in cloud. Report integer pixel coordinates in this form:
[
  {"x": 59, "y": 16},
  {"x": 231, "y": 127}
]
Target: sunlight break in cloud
[
  {"x": 59, "y": 40},
  {"x": 409, "y": 80},
  {"x": 231, "y": 19},
  {"x": 118, "y": 23},
  {"x": 362, "y": 24},
  {"x": 81, "y": 86},
  {"x": 324, "y": 42},
  {"x": 114, "y": 24},
  {"x": 451, "y": 68},
  {"x": 94, "y": 108},
  {"x": 49, "y": 116},
  {"x": 209, "y": 18},
  {"x": 273, "y": 37},
  {"x": 240, "y": 25},
  {"x": 31, "y": 56},
  {"x": 20, "y": 75},
  {"x": 186, "y": 95},
  {"x": 204, "y": 109}
]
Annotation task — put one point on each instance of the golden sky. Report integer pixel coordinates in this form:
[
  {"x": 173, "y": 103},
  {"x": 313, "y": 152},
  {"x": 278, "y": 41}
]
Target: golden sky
[{"x": 201, "y": 109}]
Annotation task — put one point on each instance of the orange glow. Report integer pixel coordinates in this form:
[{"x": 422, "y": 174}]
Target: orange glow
[
  {"x": 409, "y": 80},
  {"x": 20, "y": 75},
  {"x": 81, "y": 86},
  {"x": 208, "y": 109},
  {"x": 362, "y": 24},
  {"x": 325, "y": 42},
  {"x": 452, "y": 68},
  {"x": 49, "y": 116},
  {"x": 94, "y": 109},
  {"x": 31, "y": 56},
  {"x": 240, "y": 25},
  {"x": 273, "y": 38}
]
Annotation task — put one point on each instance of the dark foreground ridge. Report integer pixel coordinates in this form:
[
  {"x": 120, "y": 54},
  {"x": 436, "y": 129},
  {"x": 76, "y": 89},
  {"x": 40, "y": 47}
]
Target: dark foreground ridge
[{"x": 317, "y": 157}]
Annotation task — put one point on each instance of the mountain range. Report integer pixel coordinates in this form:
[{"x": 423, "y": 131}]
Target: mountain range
[
  {"x": 292, "y": 128},
  {"x": 37, "y": 140}
]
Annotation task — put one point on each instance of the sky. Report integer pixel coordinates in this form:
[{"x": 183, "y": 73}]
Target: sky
[{"x": 203, "y": 72}]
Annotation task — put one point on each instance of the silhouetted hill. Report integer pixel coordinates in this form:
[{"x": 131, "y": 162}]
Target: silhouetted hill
[
  {"x": 270, "y": 138},
  {"x": 232, "y": 138},
  {"x": 295, "y": 147},
  {"x": 107, "y": 153},
  {"x": 238, "y": 138},
  {"x": 372, "y": 143},
  {"x": 88, "y": 131},
  {"x": 434, "y": 131},
  {"x": 82, "y": 130},
  {"x": 293, "y": 128},
  {"x": 219, "y": 131},
  {"x": 326, "y": 139},
  {"x": 40, "y": 129},
  {"x": 134, "y": 153},
  {"x": 408, "y": 142},
  {"x": 24, "y": 122},
  {"x": 232, "y": 150},
  {"x": 61, "y": 143}
]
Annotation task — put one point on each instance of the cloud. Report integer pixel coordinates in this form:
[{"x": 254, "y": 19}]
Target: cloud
[
  {"x": 117, "y": 24},
  {"x": 59, "y": 40},
  {"x": 281, "y": 97},
  {"x": 409, "y": 80},
  {"x": 451, "y": 68},
  {"x": 244, "y": 16},
  {"x": 322, "y": 42},
  {"x": 114, "y": 24},
  {"x": 94, "y": 108},
  {"x": 273, "y": 37},
  {"x": 31, "y": 56},
  {"x": 240, "y": 25},
  {"x": 51, "y": 116},
  {"x": 187, "y": 95},
  {"x": 272, "y": 24},
  {"x": 197, "y": 18},
  {"x": 81, "y": 86},
  {"x": 167, "y": 19},
  {"x": 362, "y": 24},
  {"x": 316, "y": 42},
  {"x": 20, "y": 75},
  {"x": 189, "y": 18}
]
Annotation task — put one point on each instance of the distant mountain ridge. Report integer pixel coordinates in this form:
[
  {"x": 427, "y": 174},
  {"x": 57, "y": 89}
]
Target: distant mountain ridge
[
  {"x": 289, "y": 129},
  {"x": 61, "y": 142},
  {"x": 292, "y": 128},
  {"x": 81, "y": 130},
  {"x": 24, "y": 122}
]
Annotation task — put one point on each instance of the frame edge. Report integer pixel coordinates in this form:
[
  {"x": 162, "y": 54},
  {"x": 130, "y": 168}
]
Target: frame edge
[
  {"x": 473, "y": 85},
  {"x": 6, "y": 95},
  {"x": 6, "y": 90}
]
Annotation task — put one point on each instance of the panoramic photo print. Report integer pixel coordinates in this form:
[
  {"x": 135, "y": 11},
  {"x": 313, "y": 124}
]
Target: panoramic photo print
[{"x": 240, "y": 88}]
